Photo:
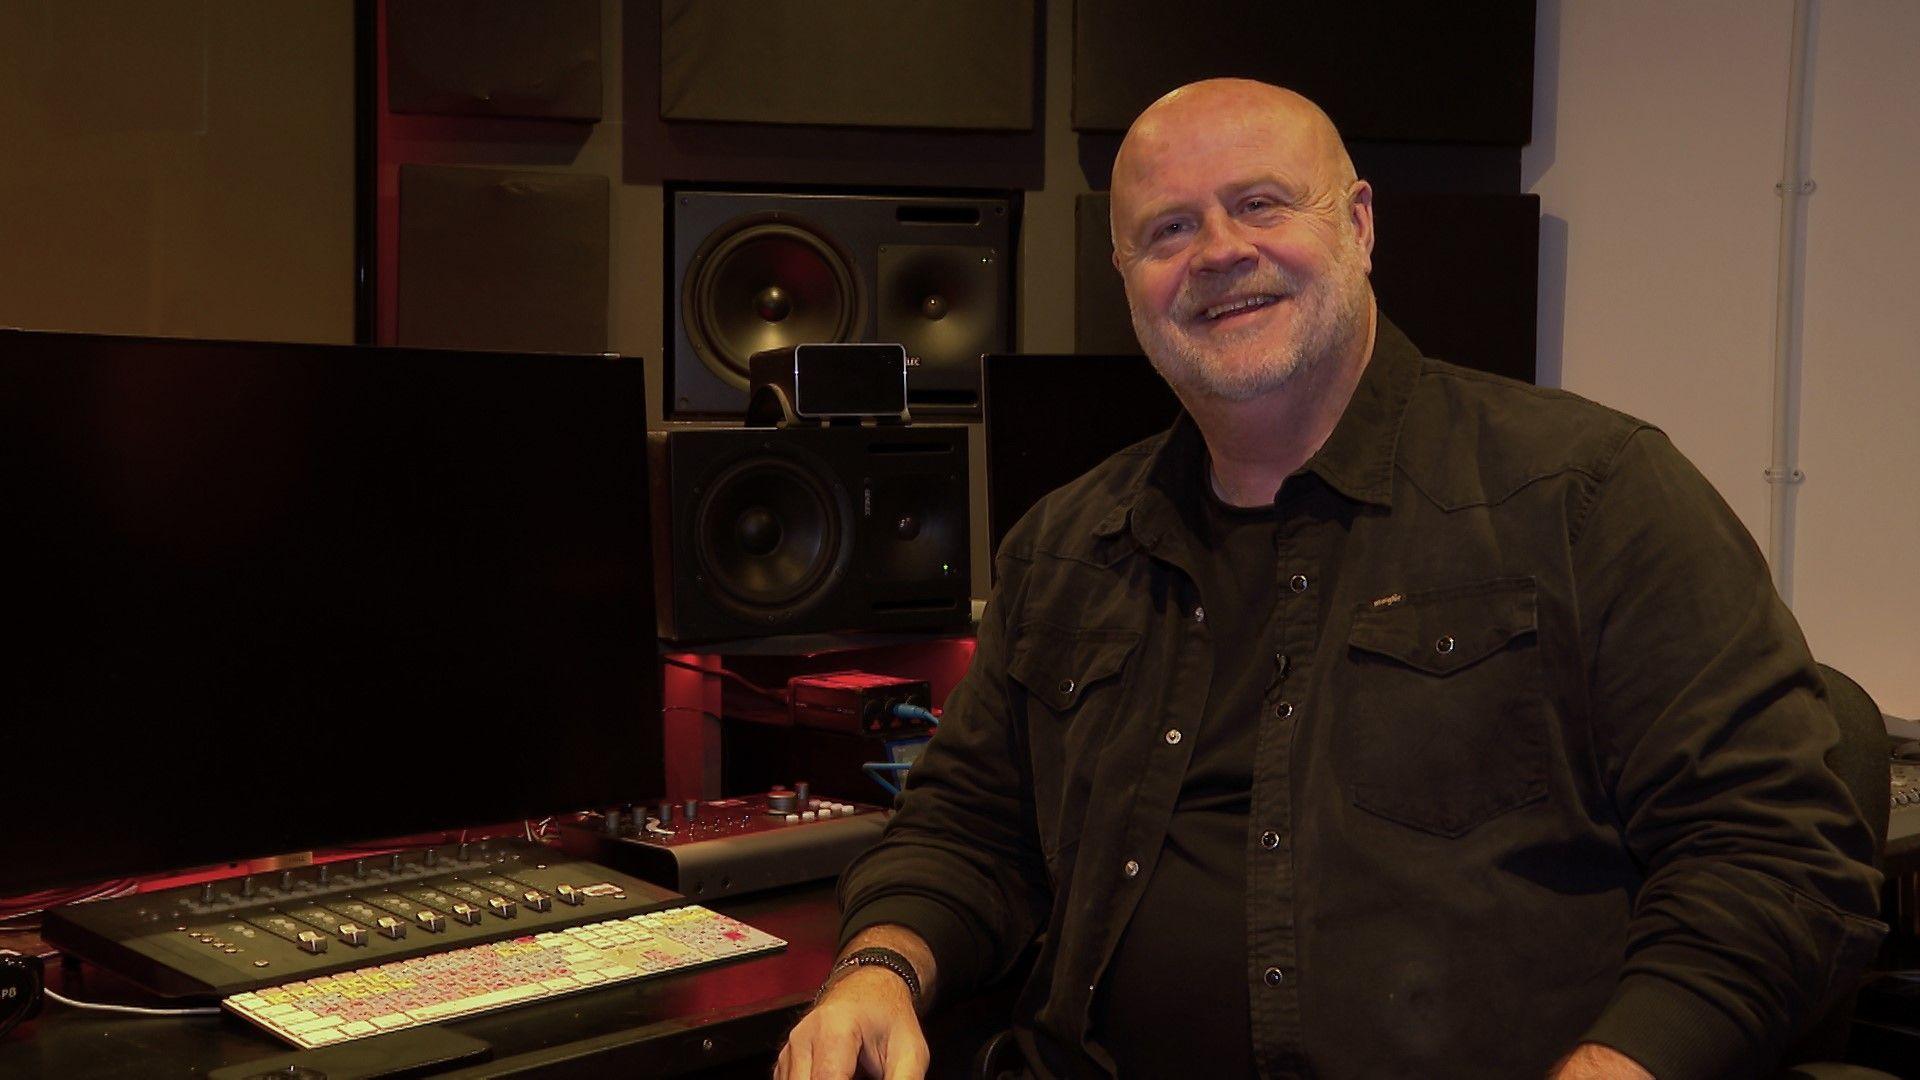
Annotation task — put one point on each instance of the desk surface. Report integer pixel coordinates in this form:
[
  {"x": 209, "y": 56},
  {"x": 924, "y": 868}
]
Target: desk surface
[{"x": 673, "y": 1025}]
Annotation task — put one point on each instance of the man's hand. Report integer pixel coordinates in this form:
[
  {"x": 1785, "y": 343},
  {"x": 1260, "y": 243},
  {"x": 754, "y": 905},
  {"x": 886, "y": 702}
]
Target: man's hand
[
  {"x": 866, "y": 1016},
  {"x": 1591, "y": 1061}
]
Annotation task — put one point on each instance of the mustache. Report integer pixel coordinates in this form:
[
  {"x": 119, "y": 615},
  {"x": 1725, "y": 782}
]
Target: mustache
[{"x": 1192, "y": 303}]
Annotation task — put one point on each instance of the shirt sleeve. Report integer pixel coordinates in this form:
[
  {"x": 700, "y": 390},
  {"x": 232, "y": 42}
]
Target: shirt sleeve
[
  {"x": 1759, "y": 900},
  {"x": 960, "y": 861}
]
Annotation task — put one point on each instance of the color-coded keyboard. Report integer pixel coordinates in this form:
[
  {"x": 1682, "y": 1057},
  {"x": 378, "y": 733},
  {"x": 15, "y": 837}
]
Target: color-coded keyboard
[{"x": 480, "y": 978}]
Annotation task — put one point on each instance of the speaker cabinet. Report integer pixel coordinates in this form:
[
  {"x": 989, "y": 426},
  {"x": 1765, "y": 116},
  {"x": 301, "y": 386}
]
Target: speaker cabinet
[
  {"x": 806, "y": 530},
  {"x": 759, "y": 271}
]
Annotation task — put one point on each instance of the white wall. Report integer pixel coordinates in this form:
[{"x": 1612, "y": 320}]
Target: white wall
[{"x": 1658, "y": 131}]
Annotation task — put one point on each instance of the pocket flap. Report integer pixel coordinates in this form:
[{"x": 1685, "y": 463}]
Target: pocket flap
[
  {"x": 1057, "y": 664},
  {"x": 1442, "y": 631}
]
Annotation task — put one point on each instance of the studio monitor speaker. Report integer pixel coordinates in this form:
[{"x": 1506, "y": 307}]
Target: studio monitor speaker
[
  {"x": 805, "y": 530},
  {"x": 759, "y": 271}
]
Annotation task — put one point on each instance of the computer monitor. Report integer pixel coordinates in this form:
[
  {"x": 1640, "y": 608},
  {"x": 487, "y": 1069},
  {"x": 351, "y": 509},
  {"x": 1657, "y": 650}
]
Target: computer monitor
[
  {"x": 1051, "y": 418},
  {"x": 265, "y": 598}
]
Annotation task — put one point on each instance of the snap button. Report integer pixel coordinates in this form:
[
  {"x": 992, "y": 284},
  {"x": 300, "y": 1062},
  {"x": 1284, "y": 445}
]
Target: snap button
[
  {"x": 1132, "y": 869},
  {"x": 1445, "y": 644},
  {"x": 1199, "y": 614},
  {"x": 1173, "y": 736},
  {"x": 1066, "y": 686},
  {"x": 1269, "y": 839},
  {"x": 1298, "y": 583},
  {"x": 1283, "y": 710},
  {"x": 1275, "y": 976}
]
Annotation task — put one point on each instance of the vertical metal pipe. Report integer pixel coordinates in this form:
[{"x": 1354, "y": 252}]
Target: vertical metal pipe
[{"x": 1783, "y": 472}]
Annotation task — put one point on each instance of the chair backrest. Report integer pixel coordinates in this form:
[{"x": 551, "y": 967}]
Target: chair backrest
[
  {"x": 1861, "y": 760},
  {"x": 1861, "y": 757}
]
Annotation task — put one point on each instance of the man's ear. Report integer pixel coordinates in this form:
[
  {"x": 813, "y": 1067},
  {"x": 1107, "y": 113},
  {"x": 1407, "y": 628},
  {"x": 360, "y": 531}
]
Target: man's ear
[{"x": 1360, "y": 215}]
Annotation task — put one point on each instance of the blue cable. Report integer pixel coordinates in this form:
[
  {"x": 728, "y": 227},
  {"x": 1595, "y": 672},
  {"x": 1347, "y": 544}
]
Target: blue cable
[{"x": 914, "y": 712}]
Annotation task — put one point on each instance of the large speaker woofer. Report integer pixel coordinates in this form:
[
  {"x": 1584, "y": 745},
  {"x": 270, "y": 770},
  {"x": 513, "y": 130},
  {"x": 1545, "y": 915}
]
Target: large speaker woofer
[
  {"x": 769, "y": 537},
  {"x": 940, "y": 301},
  {"x": 809, "y": 530},
  {"x": 768, "y": 282}
]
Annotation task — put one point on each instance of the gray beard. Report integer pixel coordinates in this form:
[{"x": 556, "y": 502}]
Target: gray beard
[{"x": 1333, "y": 311}]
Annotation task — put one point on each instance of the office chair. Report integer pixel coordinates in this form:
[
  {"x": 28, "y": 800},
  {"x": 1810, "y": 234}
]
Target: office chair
[{"x": 1860, "y": 761}]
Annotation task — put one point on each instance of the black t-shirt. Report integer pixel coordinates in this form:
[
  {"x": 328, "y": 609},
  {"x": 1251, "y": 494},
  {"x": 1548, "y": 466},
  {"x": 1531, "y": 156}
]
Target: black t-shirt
[{"x": 1174, "y": 999}]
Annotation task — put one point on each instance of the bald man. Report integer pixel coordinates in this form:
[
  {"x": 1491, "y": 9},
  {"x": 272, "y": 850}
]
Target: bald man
[{"x": 1381, "y": 718}]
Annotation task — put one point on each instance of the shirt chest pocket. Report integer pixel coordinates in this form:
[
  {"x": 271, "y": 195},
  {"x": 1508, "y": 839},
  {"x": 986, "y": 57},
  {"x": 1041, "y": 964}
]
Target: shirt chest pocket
[
  {"x": 1070, "y": 686},
  {"x": 1445, "y": 719}
]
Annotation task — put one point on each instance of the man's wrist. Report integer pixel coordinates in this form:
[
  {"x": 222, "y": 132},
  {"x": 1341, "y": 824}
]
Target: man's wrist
[{"x": 876, "y": 956}]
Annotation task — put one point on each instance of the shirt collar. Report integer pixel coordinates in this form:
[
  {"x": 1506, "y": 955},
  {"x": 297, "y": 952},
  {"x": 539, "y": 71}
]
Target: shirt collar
[{"x": 1356, "y": 460}]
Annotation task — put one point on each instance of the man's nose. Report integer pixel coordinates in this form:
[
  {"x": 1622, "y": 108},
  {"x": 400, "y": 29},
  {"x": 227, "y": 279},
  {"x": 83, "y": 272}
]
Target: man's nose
[{"x": 1223, "y": 244}]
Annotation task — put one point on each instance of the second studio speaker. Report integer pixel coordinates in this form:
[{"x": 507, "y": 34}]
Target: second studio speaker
[
  {"x": 772, "y": 531},
  {"x": 756, "y": 271}
]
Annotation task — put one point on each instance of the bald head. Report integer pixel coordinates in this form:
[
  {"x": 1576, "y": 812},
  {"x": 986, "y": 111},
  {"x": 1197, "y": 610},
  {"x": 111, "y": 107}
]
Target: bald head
[
  {"x": 1244, "y": 240},
  {"x": 1244, "y": 112}
]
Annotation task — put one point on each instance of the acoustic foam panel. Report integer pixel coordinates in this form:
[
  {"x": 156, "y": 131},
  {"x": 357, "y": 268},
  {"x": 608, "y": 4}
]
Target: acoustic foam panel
[
  {"x": 494, "y": 58},
  {"x": 1383, "y": 69},
  {"x": 1458, "y": 272},
  {"x": 499, "y": 259},
  {"x": 656, "y": 150},
  {"x": 851, "y": 63}
]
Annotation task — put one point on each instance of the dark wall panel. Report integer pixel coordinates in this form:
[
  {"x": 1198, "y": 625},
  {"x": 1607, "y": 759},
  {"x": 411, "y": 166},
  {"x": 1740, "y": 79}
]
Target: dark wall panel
[
  {"x": 494, "y": 58},
  {"x": 658, "y": 151},
  {"x": 1457, "y": 272},
  {"x": 500, "y": 259},
  {"x": 859, "y": 63},
  {"x": 1383, "y": 69}
]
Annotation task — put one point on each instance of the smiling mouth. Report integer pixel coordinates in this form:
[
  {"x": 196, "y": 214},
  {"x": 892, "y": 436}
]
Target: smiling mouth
[{"x": 1240, "y": 306}]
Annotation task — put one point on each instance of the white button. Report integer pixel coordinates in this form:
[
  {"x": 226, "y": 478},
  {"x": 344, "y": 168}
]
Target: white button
[
  {"x": 1173, "y": 736},
  {"x": 1199, "y": 614},
  {"x": 1132, "y": 869}
]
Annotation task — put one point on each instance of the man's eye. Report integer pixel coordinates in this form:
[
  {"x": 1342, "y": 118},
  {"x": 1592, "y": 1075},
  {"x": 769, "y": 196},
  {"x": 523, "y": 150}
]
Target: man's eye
[
  {"x": 1170, "y": 229},
  {"x": 1257, "y": 204}
]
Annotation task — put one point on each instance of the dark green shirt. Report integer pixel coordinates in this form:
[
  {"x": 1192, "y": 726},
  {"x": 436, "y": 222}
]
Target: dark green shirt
[
  {"x": 1547, "y": 765},
  {"x": 1189, "y": 931}
]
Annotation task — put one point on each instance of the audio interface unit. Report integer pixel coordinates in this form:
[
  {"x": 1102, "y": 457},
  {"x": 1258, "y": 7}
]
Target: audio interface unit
[{"x": 726, "y": 847}]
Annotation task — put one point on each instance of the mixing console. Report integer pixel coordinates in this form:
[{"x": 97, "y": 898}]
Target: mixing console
[{"x": 224, "y": 937}]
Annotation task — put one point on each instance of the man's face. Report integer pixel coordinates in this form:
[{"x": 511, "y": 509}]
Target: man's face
[{"x": 1243, "y": 246}]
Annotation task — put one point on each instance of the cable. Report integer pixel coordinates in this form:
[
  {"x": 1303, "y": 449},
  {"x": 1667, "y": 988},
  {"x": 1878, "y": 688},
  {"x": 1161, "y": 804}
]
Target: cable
[
  {"x": 17, "y": 906},
  {"x": 914, "y": 712},
  {"x": 731, "y": 676},
  {"x": 133, "y": 1010},
  {"x": 873, "y": 769},
  {"x": 691, "y": 709}
]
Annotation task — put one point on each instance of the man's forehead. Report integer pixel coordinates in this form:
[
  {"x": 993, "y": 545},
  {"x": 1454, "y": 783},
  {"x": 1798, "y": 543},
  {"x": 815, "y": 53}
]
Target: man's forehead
[{"x": 1240, "y": 129}]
